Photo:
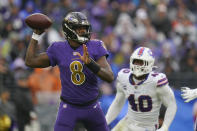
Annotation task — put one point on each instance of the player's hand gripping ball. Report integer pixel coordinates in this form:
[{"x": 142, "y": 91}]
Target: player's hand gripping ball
[{"x": 38, "y": 21}]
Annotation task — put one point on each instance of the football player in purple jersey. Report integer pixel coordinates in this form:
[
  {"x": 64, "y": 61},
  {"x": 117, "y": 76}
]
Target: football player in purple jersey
[{"x": 80, "y": 61}]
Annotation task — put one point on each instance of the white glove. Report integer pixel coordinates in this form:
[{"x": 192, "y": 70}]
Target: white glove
[
  {"x": 188, "y": 94},
  {"x": 163, "y": 128}
]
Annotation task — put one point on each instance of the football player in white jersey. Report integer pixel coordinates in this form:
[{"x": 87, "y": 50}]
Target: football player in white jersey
[
  {"x": 146, "y": 91},
  {"x": 189, "y": 94}
]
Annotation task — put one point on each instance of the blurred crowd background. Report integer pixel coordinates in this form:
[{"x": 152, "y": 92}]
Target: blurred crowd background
[{"x": 29, "y": 97}]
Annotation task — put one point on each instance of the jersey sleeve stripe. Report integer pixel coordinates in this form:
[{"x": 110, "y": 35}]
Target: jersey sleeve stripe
[
  {"x": 162, "y": 84},
  {"x": 160, "y": 81}
]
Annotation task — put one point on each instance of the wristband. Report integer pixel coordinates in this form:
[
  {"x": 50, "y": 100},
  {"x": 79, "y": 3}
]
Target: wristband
[
  {"x": 93, "y": 66},
  {"x": 35, "y": 36}
]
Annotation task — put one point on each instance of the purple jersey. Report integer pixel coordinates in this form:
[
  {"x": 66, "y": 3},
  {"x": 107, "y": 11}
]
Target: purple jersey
[{"x": 79, "y": 84}]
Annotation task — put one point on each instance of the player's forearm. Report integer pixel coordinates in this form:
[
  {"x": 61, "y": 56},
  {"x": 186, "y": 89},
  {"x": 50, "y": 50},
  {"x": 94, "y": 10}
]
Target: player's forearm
[
  {"x": 113, "y": 112},
  {"x": 169, "y": 102},
  {"x": 115, "y": 107},
  {"x": 167, "y": 96},
  {"x": 106, "y": 75},
  {"x": 170, "y": 114},
  {"x": 33, "y": 59},
  {"x": 31, "y": 53},
  {"x": 104, "y": 71}
]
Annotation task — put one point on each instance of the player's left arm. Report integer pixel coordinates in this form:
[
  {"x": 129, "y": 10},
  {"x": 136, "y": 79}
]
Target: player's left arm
[
  {"x": 166, "y": 94},
  {"x": 117, "y": 104},
  {"x": 100, "y": 67}
]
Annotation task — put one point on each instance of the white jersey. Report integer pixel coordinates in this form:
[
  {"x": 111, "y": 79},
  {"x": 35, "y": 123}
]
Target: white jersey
[{"x": 144, "y": 103}]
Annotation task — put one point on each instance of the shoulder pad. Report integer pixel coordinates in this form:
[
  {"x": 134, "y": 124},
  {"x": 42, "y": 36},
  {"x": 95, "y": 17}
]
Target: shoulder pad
[
  {"x": 53, "y": 45},
  {"x": 161, "y": 80},
  {"x": 57, "y": 43},
  {"x": 123, "y": 72},
  {"x": 96, "y": 40}
]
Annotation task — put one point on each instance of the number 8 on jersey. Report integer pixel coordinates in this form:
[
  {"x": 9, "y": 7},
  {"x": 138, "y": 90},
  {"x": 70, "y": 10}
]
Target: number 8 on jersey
[{"x": 77, "y": 76}]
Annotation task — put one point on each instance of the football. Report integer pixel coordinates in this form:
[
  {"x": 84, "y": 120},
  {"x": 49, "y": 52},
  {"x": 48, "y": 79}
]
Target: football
[{"x": 38, "y": 21}]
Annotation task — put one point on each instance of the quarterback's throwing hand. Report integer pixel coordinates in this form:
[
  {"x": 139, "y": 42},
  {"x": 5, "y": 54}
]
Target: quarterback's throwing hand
[
  {"x": 85, "y": 57},
  {"x": 39, "y": 32},
  {"x": 188, "y": 94}
]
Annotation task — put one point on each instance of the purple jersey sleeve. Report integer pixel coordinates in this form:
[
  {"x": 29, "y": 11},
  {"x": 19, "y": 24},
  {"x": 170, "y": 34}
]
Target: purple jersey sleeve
[
  {"x": 100, "y": 50},
  {"x": 52, "y": 54}
]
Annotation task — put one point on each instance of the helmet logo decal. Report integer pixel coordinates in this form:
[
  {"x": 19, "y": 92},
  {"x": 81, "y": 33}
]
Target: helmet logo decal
[
  {"x": 140, "y": 53},
  {"x": 70, "y": 18}
]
